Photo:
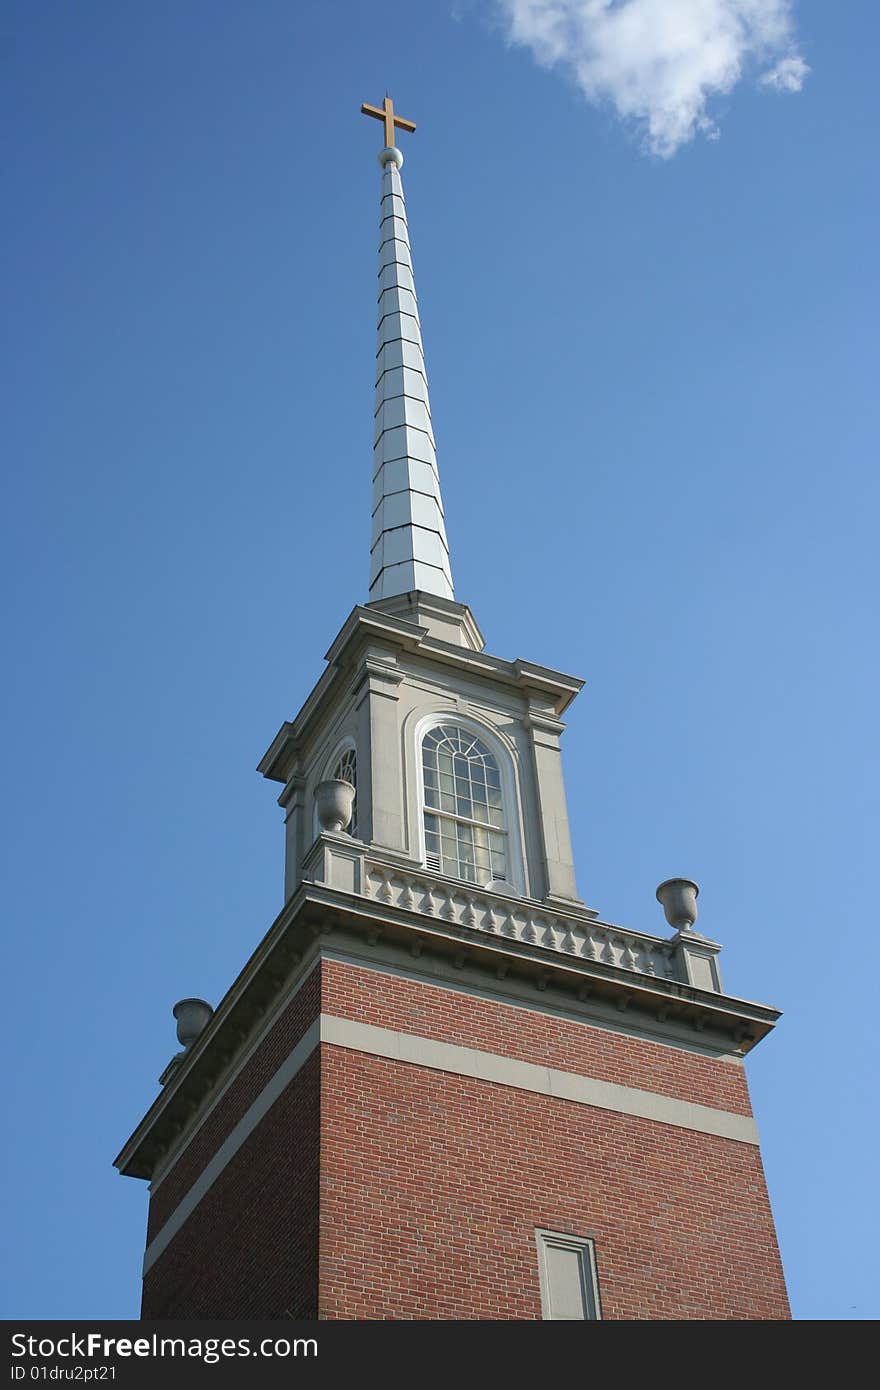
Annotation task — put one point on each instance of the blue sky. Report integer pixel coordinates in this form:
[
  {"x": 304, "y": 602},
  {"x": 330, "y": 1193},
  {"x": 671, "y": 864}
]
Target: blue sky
[{"x": 653, "y": 379}]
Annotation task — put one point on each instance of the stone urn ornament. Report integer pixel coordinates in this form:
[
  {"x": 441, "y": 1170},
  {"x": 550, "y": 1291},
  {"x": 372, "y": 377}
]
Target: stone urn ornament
[
  {"x": 678, "y": 897},
  {"x": 193, "y": 1017},
  {"x": 334, "y": 800}
]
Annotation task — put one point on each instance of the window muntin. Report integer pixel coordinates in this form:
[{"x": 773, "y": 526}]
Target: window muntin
[
  {"x": 465, "y": 832},
  {"x": 345, "y": 770}
]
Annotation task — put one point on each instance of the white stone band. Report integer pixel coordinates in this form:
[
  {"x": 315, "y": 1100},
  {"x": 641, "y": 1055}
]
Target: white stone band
[
  {"x": 456, "y": 1061},
  {"x": 545, "y": 1081}
]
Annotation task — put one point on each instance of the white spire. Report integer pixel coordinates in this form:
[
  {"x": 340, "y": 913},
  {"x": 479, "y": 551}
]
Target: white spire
[{"x": 409, "y": 547}]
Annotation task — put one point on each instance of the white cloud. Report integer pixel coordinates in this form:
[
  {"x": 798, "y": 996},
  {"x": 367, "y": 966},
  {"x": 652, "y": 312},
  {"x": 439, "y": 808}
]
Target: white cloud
[
  {"x": 659, "y": 62},
  {"x": 788, "y": 75}
]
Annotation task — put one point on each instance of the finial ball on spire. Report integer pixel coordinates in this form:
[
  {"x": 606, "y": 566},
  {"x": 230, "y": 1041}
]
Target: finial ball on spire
[{"x": 391, "y": 155}]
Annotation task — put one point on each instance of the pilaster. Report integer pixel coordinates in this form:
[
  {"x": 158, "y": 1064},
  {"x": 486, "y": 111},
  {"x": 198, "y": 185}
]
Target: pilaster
[
  {"x": 293, "y": 800},
  {"x": 379, "y": 728},
  {"x": 557, "y": 857}
]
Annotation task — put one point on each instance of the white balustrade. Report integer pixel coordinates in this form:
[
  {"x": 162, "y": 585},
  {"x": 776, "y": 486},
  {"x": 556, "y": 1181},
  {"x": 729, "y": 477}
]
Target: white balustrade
[{"x": 519, "y": 920}]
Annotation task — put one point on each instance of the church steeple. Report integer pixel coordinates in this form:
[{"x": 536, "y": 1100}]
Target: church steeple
[
  {"x": 409, "y": 549},
  {"x": 434, "y": 1002}
]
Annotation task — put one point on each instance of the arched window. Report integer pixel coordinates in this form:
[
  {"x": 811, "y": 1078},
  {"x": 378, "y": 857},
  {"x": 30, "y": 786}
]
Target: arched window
[
  {"x": 465, "y": 832},
  {"x": 345, "y": 770}
]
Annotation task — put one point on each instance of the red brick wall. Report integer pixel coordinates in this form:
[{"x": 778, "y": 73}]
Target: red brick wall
[
  {"x": 261, "y": 1066},
  {"x": 432, "y": 1185},
  {"x": 427, "y": 1187},
  {"x": 249, "y": 1249},
  {"x": 469, "y": 1021}
]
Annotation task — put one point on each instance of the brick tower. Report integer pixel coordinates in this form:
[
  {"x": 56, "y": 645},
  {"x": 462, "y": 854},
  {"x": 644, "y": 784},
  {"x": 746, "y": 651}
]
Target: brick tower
[{"x": 442, "y": 1086}]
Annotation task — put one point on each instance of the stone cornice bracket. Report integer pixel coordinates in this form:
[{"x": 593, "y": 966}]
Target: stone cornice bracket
[
  {"x": 544, "y": 681},
  {"x": 377, "y": 677},
  {"x": 544, "y": 724},
  {"x": 294, "y": 789}
]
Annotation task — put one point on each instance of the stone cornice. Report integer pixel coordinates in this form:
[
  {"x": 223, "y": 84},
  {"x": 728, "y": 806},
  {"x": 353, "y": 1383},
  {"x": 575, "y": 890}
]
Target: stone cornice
[
  {"x": 366, "y": 627},
  {"x": 241, "y": 1008},
  {"x": 318, "y": 909}
]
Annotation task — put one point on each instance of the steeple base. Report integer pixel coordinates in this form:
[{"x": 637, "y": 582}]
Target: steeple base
[{"x": 445, "y": 619}]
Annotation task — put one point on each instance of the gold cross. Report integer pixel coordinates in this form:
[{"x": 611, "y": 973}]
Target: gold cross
[{"x": 385, "y": 113}]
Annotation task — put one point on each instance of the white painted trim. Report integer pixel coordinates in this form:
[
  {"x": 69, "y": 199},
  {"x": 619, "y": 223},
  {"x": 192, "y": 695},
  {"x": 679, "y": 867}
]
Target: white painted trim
[
  {"x": 233, "y": 1142},
  {"x": 545, "y": 1081}
]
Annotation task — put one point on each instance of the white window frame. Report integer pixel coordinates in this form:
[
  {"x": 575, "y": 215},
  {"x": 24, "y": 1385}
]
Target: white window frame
[
  {"x": 515, "y": 883},
  {"x": 585, "y": 1248}
]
